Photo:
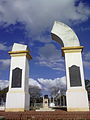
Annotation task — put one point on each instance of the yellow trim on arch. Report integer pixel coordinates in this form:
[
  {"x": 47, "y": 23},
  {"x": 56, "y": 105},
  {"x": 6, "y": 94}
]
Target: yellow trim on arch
[
  {"x": 20, "y": 53},
  {"x": 73, "y": 49}
]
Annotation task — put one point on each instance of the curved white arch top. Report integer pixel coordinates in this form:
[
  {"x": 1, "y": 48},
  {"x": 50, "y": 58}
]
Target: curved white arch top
[{"x": 64, "y": 35}]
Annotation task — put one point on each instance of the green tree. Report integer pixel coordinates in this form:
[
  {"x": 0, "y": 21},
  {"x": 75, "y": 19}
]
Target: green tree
[
  {"x": 3, "y": 93},
  {"x": 87, "y": 85},
  {"x": 35, "y": 94}
]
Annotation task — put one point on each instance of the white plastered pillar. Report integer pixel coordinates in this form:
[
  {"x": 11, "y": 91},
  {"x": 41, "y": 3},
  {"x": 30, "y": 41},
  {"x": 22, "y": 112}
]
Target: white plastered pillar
[
  {"x": 76, "y": 95},
  {"x": 45, "y": 102},
  {"x": 18, "y": 98}
]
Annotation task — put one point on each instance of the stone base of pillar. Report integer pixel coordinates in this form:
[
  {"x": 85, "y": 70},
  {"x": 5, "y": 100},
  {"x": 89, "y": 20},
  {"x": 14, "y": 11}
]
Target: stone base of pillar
[
  {"x": 45, "y": 109},
  {"x": 77, "y": 99},
  {"x": 17, "y": 101}
]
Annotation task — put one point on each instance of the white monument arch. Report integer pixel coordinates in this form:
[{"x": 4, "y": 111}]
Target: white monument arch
[
  {"x": 18, "y": 98},
  {"x": 76, "y": 95}
]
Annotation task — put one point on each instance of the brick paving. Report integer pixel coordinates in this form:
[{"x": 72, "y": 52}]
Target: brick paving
[{"x": 49, "y": 115}]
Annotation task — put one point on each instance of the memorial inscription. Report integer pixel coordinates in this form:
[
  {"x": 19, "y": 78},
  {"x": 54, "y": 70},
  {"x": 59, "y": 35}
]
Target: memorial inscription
[
  {"x": 75, "y": 77},
  {"x": 16, "y": 78}
]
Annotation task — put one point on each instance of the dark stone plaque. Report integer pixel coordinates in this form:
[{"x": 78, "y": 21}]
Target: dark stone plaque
[
  {"x": 75, "y": 77},
  {"x": 16, "y": 78}
]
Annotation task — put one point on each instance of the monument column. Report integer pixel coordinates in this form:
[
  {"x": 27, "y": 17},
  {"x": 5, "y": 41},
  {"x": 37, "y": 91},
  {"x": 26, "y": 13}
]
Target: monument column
[
  {"x": 76, "y": 94},
  {"x": 45, "y": 101},
  {"x": 18, "y": 98}
]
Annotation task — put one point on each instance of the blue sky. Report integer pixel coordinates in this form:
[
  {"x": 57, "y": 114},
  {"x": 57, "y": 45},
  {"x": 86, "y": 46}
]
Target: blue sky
[{"x": 30, "y": 22}]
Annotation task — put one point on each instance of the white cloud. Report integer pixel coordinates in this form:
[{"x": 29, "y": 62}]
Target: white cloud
[
  {"x": 51, "y": 57},
  {"x": 4, "y": 63},
  {"x": 87, "y": 56},
  {"x": 49, "y": 83},
  {"x": 83, "y": 29},
  {"x": 86, "y": 64},
  {"x": 4, "y": 47},
  {"x": 37, "y": 15},
  {"x": 44, "y": 84},
  {"x": 3, "y": 83},
  {"x": 86, "y": 59},
  {"x": 33, "y": 82},
  {"x": 43, "y": 39}
]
